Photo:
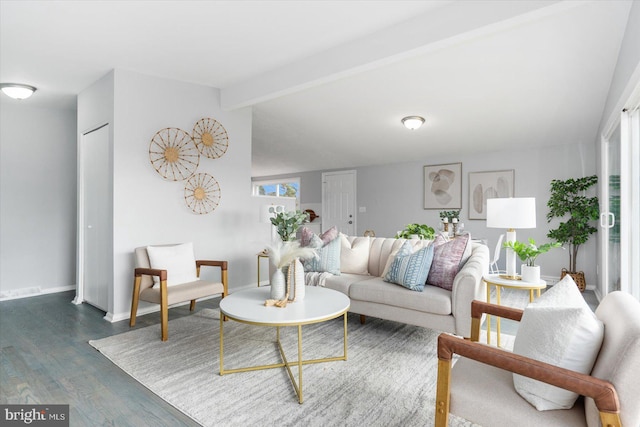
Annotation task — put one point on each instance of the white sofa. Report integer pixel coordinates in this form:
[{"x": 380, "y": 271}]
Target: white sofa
[{"x": 435, "y": 307}]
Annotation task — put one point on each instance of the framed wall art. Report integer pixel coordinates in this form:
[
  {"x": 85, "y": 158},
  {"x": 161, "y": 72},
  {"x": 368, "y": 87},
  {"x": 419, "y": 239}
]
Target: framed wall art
[
  {"x": 488, "y": 185},
  {"x": 443, "y": 186}
]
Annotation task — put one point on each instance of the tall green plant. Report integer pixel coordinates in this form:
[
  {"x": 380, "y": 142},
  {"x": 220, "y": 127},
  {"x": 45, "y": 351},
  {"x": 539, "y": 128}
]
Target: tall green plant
[{"x": 568, "y": 198}]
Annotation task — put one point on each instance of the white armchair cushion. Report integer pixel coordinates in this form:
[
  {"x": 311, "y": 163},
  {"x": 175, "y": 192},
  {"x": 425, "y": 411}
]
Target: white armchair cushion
[
  {"x": 178, "y": 260},
  {"x": 558, "y": 328}
]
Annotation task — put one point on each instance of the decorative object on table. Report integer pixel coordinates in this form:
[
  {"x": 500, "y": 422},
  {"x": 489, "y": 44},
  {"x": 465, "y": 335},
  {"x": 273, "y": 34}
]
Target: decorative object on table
[
  {"x": 568, "y": 198},
  {"x": 488, "y": 185},
  {"x": 443, "y": 186},
  {"x": 282, "y": 254},
  {"x": 173, "y": 154},
  {"x": 369, "y": 233},
  {"x": 416, "y": 231},
  {"x": 287, "y": 223},
  {"x": 528, "y": 252},
  {"x": 211, "y": 138},
  {"x": 202, "y": 193},
  {"x": 311, "y": 214},
  {"x": 295, "y": 281},
  {"x": 511, "y": 213},
  {"x": 450, "y": 221}
]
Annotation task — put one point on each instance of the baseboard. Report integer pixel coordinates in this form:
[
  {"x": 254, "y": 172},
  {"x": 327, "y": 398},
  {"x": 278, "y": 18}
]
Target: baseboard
[{"x": 33, "y": 292}]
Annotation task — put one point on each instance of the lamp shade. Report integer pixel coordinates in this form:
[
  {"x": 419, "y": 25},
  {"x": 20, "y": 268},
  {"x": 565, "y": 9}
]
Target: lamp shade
[
  {"x": 513, "y": 212},
  {"x": 17, "y": 90},
  {"x": 413, "y": 122}
]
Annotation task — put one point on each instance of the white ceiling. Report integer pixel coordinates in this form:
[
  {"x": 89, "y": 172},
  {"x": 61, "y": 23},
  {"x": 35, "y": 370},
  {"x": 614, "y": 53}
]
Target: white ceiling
[{"x": 329, "y": 81}]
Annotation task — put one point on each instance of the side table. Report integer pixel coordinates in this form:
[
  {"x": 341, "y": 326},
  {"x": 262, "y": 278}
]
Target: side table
[
  {"x": 262, "y": 254},
  {"x": 499, "y": 281}
]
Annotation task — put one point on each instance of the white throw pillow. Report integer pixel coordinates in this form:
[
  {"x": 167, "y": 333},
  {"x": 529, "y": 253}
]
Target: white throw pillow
[
  {"x": 178, "y": 260},
  {"x": 354, "y": 256},
  {"x": 558, "y": 328}
]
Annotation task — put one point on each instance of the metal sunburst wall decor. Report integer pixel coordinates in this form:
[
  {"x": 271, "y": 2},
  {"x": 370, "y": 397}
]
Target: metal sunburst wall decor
[
  {"x": 173, "y": 154},
  {"x": 211, "y": 138},
  {"x": 202, "y": 193}
]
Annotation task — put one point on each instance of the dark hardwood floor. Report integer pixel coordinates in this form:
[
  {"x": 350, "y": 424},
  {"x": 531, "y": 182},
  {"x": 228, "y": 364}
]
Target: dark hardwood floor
[{"x": 46, "y": 359}]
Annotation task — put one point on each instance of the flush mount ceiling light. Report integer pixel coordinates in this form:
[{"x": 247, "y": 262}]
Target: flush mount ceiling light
[
  {"x": 412, "y": 122},
  {"x": 17, "y": 90}
]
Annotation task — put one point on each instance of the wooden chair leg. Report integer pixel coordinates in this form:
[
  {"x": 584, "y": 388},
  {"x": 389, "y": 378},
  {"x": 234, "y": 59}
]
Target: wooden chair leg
[
  {"x": 443, "y": 392},
  {"x": 363, "y": 319},
  {"x": 164, "y": 310},
  {"x": 134, "y": 300},
  {"x": 192, "y": 306}
]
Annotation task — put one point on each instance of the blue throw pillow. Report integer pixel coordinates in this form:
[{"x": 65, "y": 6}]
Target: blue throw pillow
[
  {"x": 411, "y": 270},
  {"x": 327, "y": 259}
]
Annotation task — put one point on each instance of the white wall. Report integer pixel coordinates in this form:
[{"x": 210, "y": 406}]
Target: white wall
[
  {"x": 393, "y": 195},
  {"x": 37, "y": 199},
  {"x": 150, "y": 210}
]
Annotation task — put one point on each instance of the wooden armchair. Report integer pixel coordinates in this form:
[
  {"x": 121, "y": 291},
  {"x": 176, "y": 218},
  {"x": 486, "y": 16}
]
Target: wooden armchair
[
  {"x": 165, "y": 295},
  {"x": 480, "y": 387}
]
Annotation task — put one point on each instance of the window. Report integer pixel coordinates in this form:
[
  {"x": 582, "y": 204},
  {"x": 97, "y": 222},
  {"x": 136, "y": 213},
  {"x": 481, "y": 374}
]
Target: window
[{"x": 289, "y": 187}]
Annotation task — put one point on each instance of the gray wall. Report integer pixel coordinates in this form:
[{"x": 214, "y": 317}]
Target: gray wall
[
  {"x": 37, "y": 199},
  {"x": 392, "y": 195}
]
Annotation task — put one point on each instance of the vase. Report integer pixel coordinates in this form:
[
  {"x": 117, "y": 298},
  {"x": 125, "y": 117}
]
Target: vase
[
  {"x": 531, "y": 274},
  {"x": 296, "y": 283},
  {"x": 278, "y": 285}
]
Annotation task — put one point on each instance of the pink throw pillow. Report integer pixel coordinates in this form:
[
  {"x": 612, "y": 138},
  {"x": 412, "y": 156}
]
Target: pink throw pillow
[
  {"x": 328, "y": 236},
  {"x": 446, "y": 261}
]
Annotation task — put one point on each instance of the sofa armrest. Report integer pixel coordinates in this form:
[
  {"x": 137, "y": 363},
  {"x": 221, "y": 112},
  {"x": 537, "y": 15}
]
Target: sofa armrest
[{"x": 468, "y": 286}]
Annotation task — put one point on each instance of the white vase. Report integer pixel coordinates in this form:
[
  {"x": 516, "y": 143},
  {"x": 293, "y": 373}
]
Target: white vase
[
  {"x": 531, "y": 274},
  {"x": 278, "y": 285},
  {"x": 296, "y": 283}
]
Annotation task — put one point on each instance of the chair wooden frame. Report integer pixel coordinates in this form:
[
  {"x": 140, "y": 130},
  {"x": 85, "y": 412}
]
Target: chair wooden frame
[
  {"x": 164, "y": 291},
  {"x": 603, "y": 392}
]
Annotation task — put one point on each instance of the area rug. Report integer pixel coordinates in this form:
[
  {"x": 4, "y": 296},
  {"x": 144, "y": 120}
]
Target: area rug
[{"x": 389, "y": 378}]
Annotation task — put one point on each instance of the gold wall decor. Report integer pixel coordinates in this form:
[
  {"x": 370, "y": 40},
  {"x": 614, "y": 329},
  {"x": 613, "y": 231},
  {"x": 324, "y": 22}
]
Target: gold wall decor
[
  {"x": 173, "y": 154},
  {"x": 202, "y": 193},
  {"x": 211, "y": 138}
]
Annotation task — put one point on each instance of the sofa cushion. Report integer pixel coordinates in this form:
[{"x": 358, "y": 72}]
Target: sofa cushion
[
  {"x": 178, "y": 260},
  {"x": 327, "y": 259},
  {"x": 410, "y": 269},
  {"x": 399, "y": 243},
  {"x": 558, "y": 328},
  {"x": 306, "y": 234},
  {"x": 343, "y": 281},
  {"x": 354, "y": 255},
  {"x": 431, "y": 300},
  {"x": 447, "y": 257}
]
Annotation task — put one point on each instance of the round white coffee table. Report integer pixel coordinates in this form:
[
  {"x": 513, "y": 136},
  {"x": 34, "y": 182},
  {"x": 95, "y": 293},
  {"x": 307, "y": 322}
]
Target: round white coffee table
[
  {"x": 499, "y": 281},
  {"x": 319, "y": 305}
]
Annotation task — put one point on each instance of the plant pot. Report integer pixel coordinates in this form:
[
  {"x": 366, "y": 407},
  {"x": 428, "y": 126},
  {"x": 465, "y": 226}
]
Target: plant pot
[
  {"x": 577, "y": 276},
  {"x": 531, "y": 274}
]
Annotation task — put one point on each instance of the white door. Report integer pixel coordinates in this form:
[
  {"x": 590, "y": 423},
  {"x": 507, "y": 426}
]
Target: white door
[
  {"x": 339, "y": 201},
  {"x": 95, "y": 216}
]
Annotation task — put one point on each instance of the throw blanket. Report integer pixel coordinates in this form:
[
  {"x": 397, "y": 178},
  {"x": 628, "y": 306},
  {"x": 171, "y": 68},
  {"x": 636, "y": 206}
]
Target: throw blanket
[{"x": 314, "y": 278}]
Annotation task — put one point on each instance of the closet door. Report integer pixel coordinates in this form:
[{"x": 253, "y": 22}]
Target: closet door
[{"x": 96, "y": 213}]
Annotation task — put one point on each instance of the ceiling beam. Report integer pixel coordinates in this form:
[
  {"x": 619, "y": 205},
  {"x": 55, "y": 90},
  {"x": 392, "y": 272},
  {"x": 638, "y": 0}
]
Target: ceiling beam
[{"x": 451, "y": 24}]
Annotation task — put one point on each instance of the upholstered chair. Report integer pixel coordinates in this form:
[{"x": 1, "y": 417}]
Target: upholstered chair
[
  {"x": 480, "y": 387},
  {"x": 158, "y": 285}
]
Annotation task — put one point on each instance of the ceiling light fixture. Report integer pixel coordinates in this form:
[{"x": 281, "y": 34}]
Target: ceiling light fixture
[
  {"x": 412, "y": 122},
  {"x": 17, "y": 90}
]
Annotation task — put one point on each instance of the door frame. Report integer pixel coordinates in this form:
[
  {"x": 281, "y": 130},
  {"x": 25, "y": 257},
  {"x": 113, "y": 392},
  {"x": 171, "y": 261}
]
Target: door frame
[{"x": 80, "y": 230}]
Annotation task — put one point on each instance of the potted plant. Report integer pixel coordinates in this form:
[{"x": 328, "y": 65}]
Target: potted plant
[
  {"x": 420, "y": 231},
  {"x": 287, "y": 223},
  {"x": 568, "y": 199},
  {"x": 528, "y": 252},
  {"x": 450, "y": 222}
]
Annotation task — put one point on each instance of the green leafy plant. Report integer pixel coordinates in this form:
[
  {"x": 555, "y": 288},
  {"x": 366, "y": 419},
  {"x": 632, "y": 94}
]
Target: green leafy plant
[
  {"x": 568, "y": 199},
  {"x": 287, "y": 223},
  {"x": 421, "y": 230},
  {"x": 450, "y": 215},
  {"x": 528, "y": 252}
]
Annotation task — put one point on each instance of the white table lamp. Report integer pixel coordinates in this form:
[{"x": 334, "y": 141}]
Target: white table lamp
[{"x": 511, "y": 213}]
